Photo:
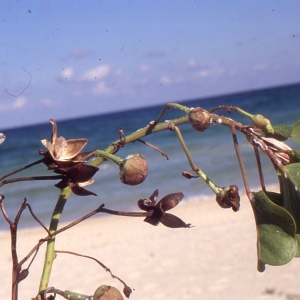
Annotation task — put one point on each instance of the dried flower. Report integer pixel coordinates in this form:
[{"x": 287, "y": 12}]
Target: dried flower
[
  {"x": 63, "y": 158},
  {"x": 2, "y": 138},
  {"x": 280, "y": 149},
  {"x": 228, "y": 197},
  {"x": 188, "y": 175},
  {"x": 127, "y": 291},
  {"x": 61, "y": 149},
  {"x": 158, "y": 210},
  {"x": 76, "y": 177}
]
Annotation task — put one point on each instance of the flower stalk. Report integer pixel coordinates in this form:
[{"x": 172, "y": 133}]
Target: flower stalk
[
  {"x": 198, "y": 171},
  {"x": 50, "y": 251}
]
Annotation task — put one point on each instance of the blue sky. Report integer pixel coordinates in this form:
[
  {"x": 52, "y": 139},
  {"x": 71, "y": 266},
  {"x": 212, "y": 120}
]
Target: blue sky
[{"x": 92, "y": 57}]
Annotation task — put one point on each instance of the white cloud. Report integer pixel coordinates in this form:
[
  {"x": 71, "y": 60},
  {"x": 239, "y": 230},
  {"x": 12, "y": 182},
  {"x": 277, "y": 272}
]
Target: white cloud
[
  {"x": 118, "y": 72},
  {"x": 259, "y": 67},
  {"x": 203, "y": 73},
  {"x": 101, "y": 89},
  {"x": 190, "y": 65},
  {"x": 47, "y": 102},
  {"x": 67, "y": 73},
  {"x": 144, "y": 68},
  {"x": 19, "y": 102},
  {"x": 166, "y": 80},
  {"x": 214, "y": 71},
  {"x": 96, "y": 73}
]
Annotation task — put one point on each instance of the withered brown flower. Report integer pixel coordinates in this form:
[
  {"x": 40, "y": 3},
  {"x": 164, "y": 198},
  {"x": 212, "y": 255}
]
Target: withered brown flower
[
  {"x": 279, "y": 148},
  {"x": 76, "y": 177},
  {"x": 61, "y": 149},
  {"x": 63, "y": 158},
  {"x": 228, "y": 197},
  {"x": 158, "y": 210}
]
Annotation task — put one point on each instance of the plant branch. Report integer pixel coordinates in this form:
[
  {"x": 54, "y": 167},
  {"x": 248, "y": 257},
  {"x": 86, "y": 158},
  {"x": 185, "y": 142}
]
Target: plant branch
[
  {"x": 154, "y": 147},
  {"x": 96, "y": 260},
  {"x": 259, "y": 166},
  {"x": 31, "y": 178},
  {"x": 198, "y": 171},
  {"x": 50, "y": 252},
  {"x": 240, "y": 160},
  {"x": 16, "y": 267},
  {"x": 139, "y": 134},
  {"x": 21, "y": 169},
  {"x": 168, "y": 106}
]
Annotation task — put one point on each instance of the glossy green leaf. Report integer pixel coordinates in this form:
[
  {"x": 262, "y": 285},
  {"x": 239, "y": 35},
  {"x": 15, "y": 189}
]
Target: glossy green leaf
[
  {"x": 295, "y": 155},
  {"x": 290, "y": 190},
  {"x": 275, "y": 198},
  {"x": 296, "y": 132},
  {"x": 276, "y": 242},
  {"x": 281, "y": 133}
]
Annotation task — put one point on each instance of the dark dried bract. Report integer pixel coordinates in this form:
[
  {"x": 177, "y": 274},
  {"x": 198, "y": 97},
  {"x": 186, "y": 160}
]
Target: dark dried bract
[
  {"x": 76, "y": 177},
  {"x": 229, "y": 198},
  {"x": 188, "y": 175},
  {"x": 159, "y": 209},
  {"x": 127, "y": 291}
]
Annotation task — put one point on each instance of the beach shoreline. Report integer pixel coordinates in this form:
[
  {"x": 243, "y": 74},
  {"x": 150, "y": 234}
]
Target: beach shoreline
[{"x": 216, "y": 259}]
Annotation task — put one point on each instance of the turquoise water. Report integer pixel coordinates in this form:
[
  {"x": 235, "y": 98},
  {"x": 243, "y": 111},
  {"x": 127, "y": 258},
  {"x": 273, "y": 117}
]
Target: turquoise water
[{"x": 212, "y": 151}]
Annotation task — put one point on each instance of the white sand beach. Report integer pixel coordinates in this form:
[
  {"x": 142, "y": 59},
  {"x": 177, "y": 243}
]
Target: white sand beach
[{"x": 216, "y": 259}]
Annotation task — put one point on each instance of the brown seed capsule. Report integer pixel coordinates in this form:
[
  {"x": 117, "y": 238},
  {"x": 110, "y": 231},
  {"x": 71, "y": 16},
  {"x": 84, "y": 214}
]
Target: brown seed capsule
[
  {"x": 134, "y": 169},
  {"x": 199, "y": 118},
  {"x": 106, "y": 292},
  {"x": 229, "y": 197}
]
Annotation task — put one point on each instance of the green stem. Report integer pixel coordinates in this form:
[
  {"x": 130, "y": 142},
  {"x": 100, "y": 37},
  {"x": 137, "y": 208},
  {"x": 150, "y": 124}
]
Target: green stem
[
  {"x": 231, "y": 108},
  {"x": 137, "y": 135},
  {"x": 50, "y": 251},
  {"x": 199, "y": 172},
  {"x": 171, "y": 105},
  {"x": 244, "y": 113},
  {"x": 106, "y": 155},
  {"x": 100, "y": 156}
]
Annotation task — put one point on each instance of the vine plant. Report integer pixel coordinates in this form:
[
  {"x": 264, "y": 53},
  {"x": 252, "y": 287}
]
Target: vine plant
[{"x": 277, "y": 214}]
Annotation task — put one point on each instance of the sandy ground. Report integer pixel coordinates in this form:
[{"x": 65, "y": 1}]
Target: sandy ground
[{"x": 216, "y": 259}]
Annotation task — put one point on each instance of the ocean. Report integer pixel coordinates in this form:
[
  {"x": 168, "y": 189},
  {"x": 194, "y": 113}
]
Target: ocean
[{"x": 211, "y": 150}]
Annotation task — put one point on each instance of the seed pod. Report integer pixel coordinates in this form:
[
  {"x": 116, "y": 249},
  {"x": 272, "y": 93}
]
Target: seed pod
[
  {"x": 263, "y": 123},
  {"x": 134, "y": 169},
  {"x": 229, "y": 197},
  {"x": 106, "y": 292},
  {"x": 199, "y": 118}
]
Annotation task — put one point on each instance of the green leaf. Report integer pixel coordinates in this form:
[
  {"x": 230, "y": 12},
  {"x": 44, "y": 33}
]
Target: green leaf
[
  {"x": 296, "y": 132},
  {"x": 281, "y": 133},
  {"x": 294, "y": 155},
  {"x": 275, "y": 198},
  {"x": 298, "y": 248},
  {"x": 291, "y": 195},
  {"x": 290, "y": 190},
  {"x": 276, "y": 242}
]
